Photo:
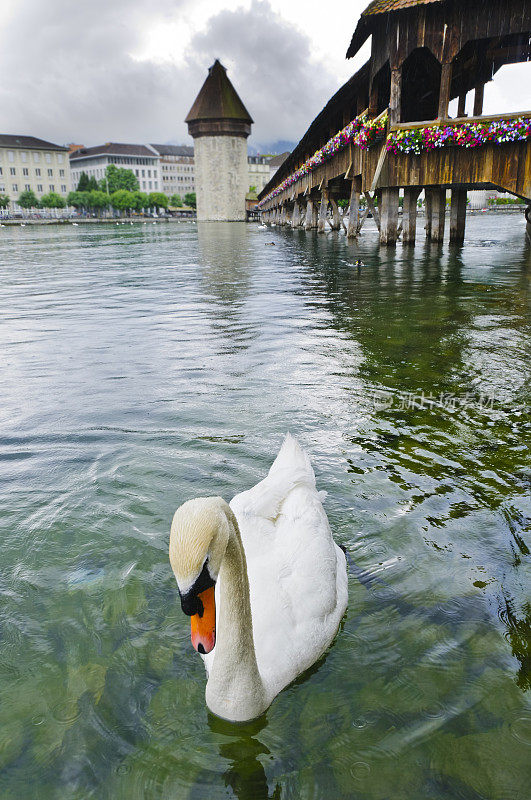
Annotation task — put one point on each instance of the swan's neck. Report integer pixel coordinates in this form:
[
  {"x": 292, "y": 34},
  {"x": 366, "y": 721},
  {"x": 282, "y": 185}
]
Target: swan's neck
[{"x": 235, "y": 690}]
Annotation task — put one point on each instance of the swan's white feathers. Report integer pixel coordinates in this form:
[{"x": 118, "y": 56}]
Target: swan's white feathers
[
  {"x": 297, "y": 574},
  {"x": 290, "y": 468}
]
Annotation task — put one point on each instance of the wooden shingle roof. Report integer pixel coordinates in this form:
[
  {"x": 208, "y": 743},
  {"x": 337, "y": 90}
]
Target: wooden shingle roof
[
  {"x": 367, "y": 21},
  {"x": 218, "y": 99},
  {"x": 386, "y": 6}
]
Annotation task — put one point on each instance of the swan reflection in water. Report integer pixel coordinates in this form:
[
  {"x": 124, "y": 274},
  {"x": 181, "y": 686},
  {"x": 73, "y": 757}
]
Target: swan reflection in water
[{"x": 239, "y": 744}]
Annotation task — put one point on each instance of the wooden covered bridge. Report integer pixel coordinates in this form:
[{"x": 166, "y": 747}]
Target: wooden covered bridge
[{"x": 388, "y": 128}]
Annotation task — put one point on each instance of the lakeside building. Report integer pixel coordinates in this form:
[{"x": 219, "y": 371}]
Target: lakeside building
[
  {"x": 176, "y": 168},
  {"x": 259, "y": 173},
  {"x": 141, "y": 158},
  {"x": 31, "y": 164},
  {"x": 166, "y": 168}
]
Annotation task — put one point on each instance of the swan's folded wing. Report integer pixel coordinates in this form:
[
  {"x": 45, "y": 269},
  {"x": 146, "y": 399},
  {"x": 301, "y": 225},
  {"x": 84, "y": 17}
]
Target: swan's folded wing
[{"x": 290, "y": 468}]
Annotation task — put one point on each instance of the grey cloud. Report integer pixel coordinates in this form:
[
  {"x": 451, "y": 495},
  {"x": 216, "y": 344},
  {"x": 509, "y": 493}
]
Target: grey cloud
[
  {"x": 270, "y": 65},
  {"x": 72, "y": 76}
]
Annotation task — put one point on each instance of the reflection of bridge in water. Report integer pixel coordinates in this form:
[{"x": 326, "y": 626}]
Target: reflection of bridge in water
[{"x": 388, "y": 127}]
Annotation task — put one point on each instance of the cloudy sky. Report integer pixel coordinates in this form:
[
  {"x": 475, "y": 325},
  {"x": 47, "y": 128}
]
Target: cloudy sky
[{"x": 92, "y": 71}]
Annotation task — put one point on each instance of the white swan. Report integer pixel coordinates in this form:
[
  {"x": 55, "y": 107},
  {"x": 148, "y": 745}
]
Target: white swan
[{"x": 263, "y": 581}]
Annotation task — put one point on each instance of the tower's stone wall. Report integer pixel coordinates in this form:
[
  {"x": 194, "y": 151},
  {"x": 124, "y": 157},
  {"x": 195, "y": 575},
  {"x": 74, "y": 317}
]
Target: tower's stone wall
[{"x": 221, "y": 177}]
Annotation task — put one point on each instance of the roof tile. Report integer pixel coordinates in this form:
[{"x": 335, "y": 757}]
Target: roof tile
[{"x": 385, "y": 6}]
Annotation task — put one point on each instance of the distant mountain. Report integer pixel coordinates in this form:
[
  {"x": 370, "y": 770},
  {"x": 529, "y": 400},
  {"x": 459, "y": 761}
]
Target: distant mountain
[{"x": 280, "y": 146}]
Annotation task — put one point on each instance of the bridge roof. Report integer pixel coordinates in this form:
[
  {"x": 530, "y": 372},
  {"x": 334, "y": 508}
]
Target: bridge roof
[
  {"x": 310, "y": 141},
  {"x": 365, "y": 24},
  {"x": 218, "y": 99},
  {"x": 385, "y": 6}
]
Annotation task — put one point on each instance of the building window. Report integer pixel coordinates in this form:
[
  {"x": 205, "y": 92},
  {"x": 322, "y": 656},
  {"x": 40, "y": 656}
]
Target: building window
[
  {"x": 48, "y": 157},
  {"x": 10, "y": 155},
  {"x": 61, "y": 173},
  {"x": 39, "y": 187},
  {"x": 25, "y": 171},
  {"x": 27, "y": 187},
  {"x": 38, "y": 172},
  {"x": 15, "y": 187},
  {"x": 50, "y": 173},
  {"x": 1, "y": 171},
  {"x": 51, "y": 188},
  {"x": 36, "y": 158},
  {"x": 149, "y": 173},
  {"x": 12, "y": 170},
  {"x": 63, "y": 188},
  {"x": 60, "y": 158}
]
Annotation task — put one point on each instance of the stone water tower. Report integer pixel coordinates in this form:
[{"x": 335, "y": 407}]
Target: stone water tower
[{"x": 220, "y": 124}]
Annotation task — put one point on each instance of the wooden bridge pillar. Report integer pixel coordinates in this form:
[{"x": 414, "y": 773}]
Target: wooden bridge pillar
[
  {"x": 308, "y": 222},
  {"x": 315, "y": 214},
  {"x": 394, "y": 101},
  {"x": 478, "y": 99},
  {"x": 335, "y": 222},
  {"x": 458, "y": 216},
  {"x": 435, "y": 213},
  {"x": 409, "y": 215},
  {"x": 444, "y": 92},
  {"x": 528, "y": 223},
  {"x": 323, "y": 209},
  {"x": 354, "y": 209},
  {"x": 389, "y": 216},
  {"x": 296, "y": 216}
]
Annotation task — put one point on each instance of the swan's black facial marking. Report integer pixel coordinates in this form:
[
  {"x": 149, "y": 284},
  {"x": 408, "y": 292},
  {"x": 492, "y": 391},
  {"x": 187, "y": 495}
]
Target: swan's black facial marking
[{"x": 191, "y": 603}]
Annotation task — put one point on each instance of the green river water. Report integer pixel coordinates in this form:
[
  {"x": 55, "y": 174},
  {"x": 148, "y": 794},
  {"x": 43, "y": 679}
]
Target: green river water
[{"x": 144, "y": 365}]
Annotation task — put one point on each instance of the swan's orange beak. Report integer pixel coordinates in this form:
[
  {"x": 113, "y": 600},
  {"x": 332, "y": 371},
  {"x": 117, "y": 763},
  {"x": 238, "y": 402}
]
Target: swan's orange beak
[{"x": 204, "y": 625}]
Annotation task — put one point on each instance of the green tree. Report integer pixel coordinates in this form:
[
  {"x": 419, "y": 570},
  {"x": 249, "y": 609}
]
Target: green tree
[
  {"x": 92, "y": 184},
  {"x": 83, "y": 183},
  {"x": 122, "y": 200},
  {"x": 252, "y": 190},
  {"x": 190, "y": 199},
  {"x": 98, "y": 200},
  {"x": 140, "y": 201},
  {"x": 53, "y": 200},
  {"x": 4, "y": 200},
  {"x": 176, "y": 201},
  {"x": 117, "y": 178},
  {"x": 158, "y": 200},
  {"x": 28, "y": 199},
  {"x": 76, "y": 199}
]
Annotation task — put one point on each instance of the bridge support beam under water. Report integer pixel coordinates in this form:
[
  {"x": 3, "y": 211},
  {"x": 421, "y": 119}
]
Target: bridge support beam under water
[
  {"x": 409, "y": 215},
  {"x": 311, "y": 215},
  {"x": 389, "y": 216},
  {"x": 458, "y": 216},
  {"x": 354, "y": 209},
  {"x": 435, "y": 213},
  {"x": 323, "y": 210},
  {"x": 335, "y": 222}
]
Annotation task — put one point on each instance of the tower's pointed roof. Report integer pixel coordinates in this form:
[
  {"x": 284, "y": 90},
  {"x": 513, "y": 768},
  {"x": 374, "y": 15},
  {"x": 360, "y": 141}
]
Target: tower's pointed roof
[{"x": 218, "y": 99}]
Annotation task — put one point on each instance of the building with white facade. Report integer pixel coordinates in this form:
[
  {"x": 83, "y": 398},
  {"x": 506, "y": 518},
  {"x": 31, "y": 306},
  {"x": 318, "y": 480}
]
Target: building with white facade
[
  {"x": 259, "y": 173},
  {"x": 31, "y": 164},
  {"x": 176, "y": 168},
  {"x": 141, "y": 158}
]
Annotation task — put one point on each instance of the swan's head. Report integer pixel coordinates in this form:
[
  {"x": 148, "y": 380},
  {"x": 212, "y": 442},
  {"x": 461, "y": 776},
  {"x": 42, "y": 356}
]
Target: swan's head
[{"x": 198, "y": 540}]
